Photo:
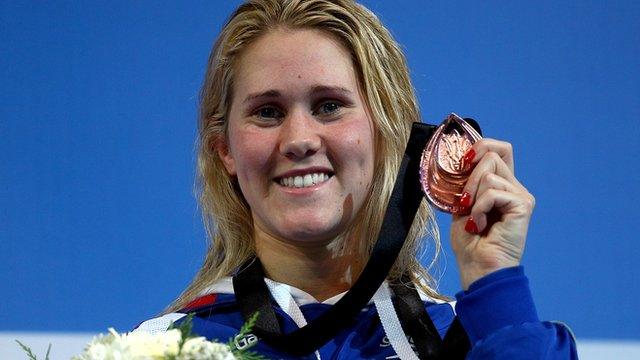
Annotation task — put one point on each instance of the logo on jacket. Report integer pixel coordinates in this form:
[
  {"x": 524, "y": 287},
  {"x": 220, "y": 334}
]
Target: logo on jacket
[{"x": 245, "y": 341}]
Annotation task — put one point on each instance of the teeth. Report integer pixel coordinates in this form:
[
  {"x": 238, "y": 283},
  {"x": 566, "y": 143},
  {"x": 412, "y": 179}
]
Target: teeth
[{"x": 304, "y": 181}]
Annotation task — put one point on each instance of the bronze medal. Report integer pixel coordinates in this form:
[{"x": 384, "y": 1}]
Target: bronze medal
[{"x": 443, "y": 172}]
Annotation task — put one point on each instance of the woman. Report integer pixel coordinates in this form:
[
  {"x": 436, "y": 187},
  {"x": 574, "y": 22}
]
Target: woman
[{"x": 305, "y": 111}]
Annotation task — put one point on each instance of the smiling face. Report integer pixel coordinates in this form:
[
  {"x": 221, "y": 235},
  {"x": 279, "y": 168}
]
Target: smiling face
[{"x": 300, "y": 140}]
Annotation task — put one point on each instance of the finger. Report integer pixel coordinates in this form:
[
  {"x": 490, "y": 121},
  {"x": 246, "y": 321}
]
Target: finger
[
  {"x": 504, "y": 202},
  {"x": 486, "y": 145},
  {"x": 491, "y": 180},
  {"x": 488, "y": 180},
  {"x": 491, "y": 163}
]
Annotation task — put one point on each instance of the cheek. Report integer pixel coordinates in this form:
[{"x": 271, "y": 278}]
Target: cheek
[
  {"x": 358, "y": 145},
  {"x": 251, "y": 152}
]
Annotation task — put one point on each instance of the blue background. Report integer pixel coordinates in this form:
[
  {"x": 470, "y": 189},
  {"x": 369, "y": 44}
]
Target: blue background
[{"x": 98, "y": 223}]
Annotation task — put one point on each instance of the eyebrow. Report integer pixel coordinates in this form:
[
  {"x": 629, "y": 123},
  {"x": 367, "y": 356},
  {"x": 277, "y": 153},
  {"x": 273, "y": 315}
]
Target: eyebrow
[
  {"x": 263, "y": 94},
  {"x": 269, "y": 94},
  {"x": 324, "y": 88}
]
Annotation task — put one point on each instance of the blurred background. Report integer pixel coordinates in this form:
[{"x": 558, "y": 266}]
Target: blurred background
[{"x": 98, "y": 223}]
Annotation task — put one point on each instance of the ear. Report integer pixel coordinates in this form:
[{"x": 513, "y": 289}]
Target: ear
[{"x": 222, "y": 148}]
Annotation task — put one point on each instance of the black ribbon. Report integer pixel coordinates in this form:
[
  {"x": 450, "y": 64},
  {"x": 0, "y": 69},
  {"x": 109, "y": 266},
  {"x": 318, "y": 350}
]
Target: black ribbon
[{"x": 417, "y": 324}]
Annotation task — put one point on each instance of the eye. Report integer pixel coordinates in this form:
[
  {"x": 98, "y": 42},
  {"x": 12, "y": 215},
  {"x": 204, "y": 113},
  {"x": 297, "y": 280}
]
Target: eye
[
  {"x": 268, "y": 113},
  {"x": 328, "y": 108}
]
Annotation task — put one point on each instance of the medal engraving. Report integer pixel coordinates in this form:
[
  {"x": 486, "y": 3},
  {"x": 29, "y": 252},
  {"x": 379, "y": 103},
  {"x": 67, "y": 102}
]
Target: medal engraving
[{"x": 451, "y": 154}]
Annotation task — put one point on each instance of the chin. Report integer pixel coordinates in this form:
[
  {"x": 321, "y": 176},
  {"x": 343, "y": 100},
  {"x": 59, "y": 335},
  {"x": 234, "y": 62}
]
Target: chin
[{"x": 312, "y": 233}]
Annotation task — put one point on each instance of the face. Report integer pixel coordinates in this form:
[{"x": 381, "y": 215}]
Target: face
[{"x": 300, "y": 140}]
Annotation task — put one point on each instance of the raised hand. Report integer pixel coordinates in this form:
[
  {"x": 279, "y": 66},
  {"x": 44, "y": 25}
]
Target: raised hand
[{"x": 493, "y": 235}]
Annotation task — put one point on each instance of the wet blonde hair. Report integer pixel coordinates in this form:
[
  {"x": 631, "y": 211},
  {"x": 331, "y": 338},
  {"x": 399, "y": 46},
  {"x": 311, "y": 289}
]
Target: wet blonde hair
[{"x": 383, "y": 76}]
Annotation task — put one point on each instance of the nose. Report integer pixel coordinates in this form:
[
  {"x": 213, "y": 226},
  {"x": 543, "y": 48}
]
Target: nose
[{"x": 299, "y": 136}]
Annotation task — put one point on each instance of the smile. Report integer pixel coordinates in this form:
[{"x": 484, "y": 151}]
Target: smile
[{"x": 307, "y": 180}]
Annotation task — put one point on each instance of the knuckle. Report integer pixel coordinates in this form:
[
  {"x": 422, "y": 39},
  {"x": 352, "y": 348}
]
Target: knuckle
[
  {"x": 489, "y": 178},
  {"x": 493, "y": 156},
  {"x": 509, "y": 147},
  {"x": 529, "y": 202}
]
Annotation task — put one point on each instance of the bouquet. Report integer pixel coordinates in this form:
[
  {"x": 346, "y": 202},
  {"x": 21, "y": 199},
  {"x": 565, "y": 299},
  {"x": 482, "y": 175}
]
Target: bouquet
[{"x": 177, "y": 343}]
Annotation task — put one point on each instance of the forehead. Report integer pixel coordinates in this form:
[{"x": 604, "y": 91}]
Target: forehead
[{"x": 285, "y": 57}]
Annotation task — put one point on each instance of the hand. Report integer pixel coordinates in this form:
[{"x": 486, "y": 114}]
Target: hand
[{"x": 492, "y": 236}]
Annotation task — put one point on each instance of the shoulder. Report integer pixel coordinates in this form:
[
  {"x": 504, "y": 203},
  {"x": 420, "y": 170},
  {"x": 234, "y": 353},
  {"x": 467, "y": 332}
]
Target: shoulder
[
  {"x": 215, "y": 299},
  {"x": 158, "y": 324}
]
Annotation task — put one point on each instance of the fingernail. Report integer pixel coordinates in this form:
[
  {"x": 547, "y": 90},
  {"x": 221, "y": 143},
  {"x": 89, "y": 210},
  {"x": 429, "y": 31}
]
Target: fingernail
[
  {"x": 471, "y": 226},
  {"x": 465, "y": 200},
  {"x": 468, "y": 157}
]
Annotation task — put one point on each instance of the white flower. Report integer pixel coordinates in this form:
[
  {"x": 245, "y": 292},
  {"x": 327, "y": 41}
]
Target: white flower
[
  {"x": 145, "y": 346},
  {"x": 200, "y": 348}
]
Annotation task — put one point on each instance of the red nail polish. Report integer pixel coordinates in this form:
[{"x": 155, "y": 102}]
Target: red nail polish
[
  {"x": 465, "y": 200},
  {"x": 471, "y": 226},
  {"x": 468, "y": 157}
]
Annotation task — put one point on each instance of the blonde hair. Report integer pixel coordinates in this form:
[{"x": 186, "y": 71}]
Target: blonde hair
[{"x": 383, "y": 76}]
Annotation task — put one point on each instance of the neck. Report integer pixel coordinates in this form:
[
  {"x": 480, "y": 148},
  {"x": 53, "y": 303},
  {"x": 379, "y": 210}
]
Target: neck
[{"x": 319, "y": 270}]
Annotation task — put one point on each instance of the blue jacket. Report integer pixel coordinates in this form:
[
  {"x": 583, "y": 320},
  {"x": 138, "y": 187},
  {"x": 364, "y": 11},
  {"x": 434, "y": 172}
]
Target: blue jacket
[{"x": 497, "y": 313}]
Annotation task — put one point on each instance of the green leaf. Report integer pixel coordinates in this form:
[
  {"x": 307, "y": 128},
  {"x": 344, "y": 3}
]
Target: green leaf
[
  {"x": 246, "y": 328},
  {"x": 251, "y": 322},
  {"x": 27, "y": 349}
]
